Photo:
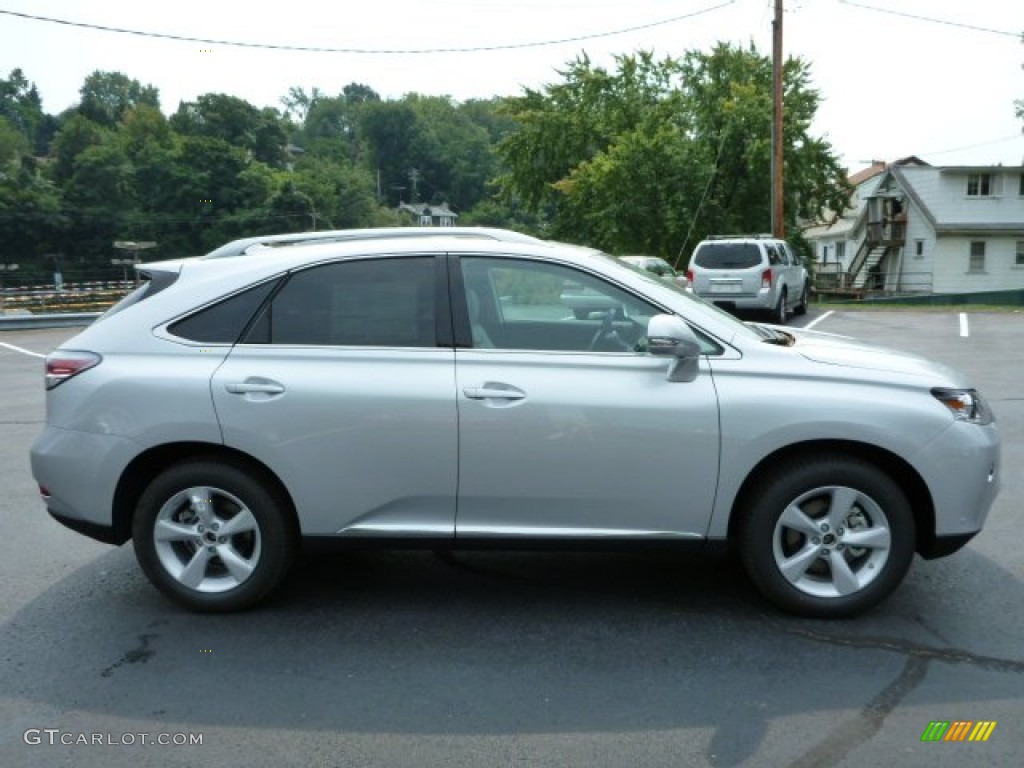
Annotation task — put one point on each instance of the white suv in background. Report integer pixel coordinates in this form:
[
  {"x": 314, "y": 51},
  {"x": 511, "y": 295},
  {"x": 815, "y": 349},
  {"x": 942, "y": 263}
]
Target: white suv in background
[{"x": 750, "y": 272}]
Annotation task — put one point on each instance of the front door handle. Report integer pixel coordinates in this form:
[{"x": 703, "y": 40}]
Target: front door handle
[
  {"x": 251, "y": 387},
  {"x": 491, "y": 391}
]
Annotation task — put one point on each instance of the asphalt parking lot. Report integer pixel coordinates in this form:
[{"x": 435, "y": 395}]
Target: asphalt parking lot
[{"x": 491, "y": 659}]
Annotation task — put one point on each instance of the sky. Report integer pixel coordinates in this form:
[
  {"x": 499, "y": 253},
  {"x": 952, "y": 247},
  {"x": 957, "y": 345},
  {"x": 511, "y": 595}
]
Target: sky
[{"x": 941, "y": 87}]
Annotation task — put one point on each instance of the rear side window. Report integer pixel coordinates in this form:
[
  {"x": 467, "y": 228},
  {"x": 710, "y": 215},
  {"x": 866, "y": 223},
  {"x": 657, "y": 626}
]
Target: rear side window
[
  {"x": 366, "y": 303},
  {"x": 223, "y": 322},
  {"x": 727, "y": 255}
]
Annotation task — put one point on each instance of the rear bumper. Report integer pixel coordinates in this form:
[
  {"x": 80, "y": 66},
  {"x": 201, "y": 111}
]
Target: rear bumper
[
  {"x": 104, "y": 533},
  {"x": 760, "y": 300},
  {"x": 80, "y": 471}
]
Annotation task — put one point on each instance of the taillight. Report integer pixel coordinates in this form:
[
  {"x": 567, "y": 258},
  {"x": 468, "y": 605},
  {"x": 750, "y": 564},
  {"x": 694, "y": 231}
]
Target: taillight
[
  {"x": 689, "y": 276},
  {"x": 766, "y": 279},
  {"x": 63, "y": 364}
]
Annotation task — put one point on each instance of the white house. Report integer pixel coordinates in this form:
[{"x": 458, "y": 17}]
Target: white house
[
  {"x": 917, "y": 228},
  {"x": 430, "y": 215}
]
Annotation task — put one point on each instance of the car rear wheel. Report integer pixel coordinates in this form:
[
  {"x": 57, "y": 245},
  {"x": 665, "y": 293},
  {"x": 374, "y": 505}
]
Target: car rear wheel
[
  {"x": 801, "y": 307},
  {"x": 778, "y": 314},
  {"x": 827, "y": 537},
  {"x": 212, "y": 537}
]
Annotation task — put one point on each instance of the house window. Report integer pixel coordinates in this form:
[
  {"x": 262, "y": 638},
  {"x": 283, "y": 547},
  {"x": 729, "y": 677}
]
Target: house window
[
  {"x": 425, "y": 220},
  {"x": 840, "y": 251},
  {"x": 1020, "y": 253},
  {"x": 1020, "y": 191},
  {"x": 983, "y": 185},
  {"x": 977, "y": 262},
  {"x": 979, "y": 184},
  {"x": 919, "y": 249},
  {"x": 824, "y": 253}
]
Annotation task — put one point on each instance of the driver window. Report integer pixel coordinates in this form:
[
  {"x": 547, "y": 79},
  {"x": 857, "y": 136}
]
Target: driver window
[{"x": 533, "y": 305}]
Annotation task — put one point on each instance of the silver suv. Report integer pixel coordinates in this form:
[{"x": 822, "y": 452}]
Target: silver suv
[
  {"x": 750, "y": 272},
  {"x": 440, "y": 392}
]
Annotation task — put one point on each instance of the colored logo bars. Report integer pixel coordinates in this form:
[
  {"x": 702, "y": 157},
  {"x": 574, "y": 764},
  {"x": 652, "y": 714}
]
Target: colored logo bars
[{"x": 958, "y": 730}]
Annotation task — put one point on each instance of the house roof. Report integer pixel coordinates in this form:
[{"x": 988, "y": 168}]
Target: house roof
[
  {"x": 876, "y": 167},
  {"x": 879, "y": 166},
  {"x": 942, "y": 201},
  {"x": 428, "y": 209}
]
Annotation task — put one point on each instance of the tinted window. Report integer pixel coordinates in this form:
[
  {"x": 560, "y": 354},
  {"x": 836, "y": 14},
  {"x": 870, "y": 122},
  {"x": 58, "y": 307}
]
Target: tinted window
[
  {"x": 224, "y": 321},
  {"x": 364, "y": 303},
  {"x": 727, "y": 255}
]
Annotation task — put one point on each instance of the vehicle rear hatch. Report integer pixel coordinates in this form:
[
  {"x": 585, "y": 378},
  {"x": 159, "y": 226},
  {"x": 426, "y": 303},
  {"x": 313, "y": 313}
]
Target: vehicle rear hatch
[{"x": 726, "y": 269}]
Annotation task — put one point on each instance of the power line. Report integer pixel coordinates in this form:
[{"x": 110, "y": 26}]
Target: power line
[
  {"x": 975, "y": 146},
  {"x": 365, "y": 51},
  {"x": 933, "y": 20}
]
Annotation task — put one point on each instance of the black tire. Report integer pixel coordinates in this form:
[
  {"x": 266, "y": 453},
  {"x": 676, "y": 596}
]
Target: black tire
[
  {"x": 801, "y": 308},
  {"x": 779, "y": 314},
  {"x": 822, "y": 586},
  {"x": 260, "y": 545}
]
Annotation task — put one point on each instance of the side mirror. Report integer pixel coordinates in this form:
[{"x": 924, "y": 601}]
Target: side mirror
[{"x": 669, "y": 336}]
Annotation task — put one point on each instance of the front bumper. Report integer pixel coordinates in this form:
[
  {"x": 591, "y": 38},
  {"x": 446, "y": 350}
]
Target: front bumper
[{"x": 962, "y": 470}]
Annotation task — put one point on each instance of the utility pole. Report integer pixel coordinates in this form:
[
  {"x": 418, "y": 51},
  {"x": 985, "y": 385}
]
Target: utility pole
[
  {"x": 414, "y": 177},
  {"x": 778, "y": 217}
]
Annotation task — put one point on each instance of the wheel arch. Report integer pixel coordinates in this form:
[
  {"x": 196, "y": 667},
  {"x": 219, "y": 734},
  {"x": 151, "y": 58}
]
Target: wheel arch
[
  {"x": 148, "y": 464},
  {"x": 908, "y": 479}
]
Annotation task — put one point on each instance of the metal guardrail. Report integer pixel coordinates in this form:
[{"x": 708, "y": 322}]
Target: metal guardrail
[{"x": 26, "y": 322}]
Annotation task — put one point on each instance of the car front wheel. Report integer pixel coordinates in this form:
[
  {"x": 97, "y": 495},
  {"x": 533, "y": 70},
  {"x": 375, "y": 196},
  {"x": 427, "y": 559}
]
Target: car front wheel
[
  {"x": 212, "y": 537},
  {"x": 826, "y": 537}
]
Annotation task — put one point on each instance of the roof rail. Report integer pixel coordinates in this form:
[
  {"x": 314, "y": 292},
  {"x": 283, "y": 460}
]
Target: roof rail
[
  {"x": 759, "y": 236},
  {"x": 243, "y": 246}
]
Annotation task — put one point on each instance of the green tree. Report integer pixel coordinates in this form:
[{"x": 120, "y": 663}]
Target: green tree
[
  {"x": 655, "y": 155},
  {"x": 31, "y": 222},
  {"x": 22, "y": 107},
  {"x": 107, "y": 96},
  {"x": 77, "y": 134},
  {"x": 13, "y": 144},
  {"x": 237, "y": 122}
]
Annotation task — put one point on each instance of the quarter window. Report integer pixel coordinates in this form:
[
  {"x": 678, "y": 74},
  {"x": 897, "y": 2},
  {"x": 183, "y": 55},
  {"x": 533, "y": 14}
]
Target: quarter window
[
  {"x": 977, "y": 262},
  {"x": 360, "y": 303},
  {"x": 223, "y": 322}
]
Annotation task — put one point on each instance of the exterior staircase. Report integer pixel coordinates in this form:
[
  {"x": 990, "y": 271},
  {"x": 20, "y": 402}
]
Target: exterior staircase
[{"x": 872, "y": 257}]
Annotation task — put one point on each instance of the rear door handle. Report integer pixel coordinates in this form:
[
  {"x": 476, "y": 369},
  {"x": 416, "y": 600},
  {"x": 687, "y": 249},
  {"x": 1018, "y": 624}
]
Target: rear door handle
[
  {"x": 249, "y": 387},
  {"x": 491, "y": 392}
]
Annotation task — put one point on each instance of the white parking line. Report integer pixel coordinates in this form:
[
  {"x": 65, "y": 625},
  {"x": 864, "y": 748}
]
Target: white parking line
[
  {"x": 963, "y": 325},
  {"x": 817, "y": 320},
  {"x": 19, "y": 349}
]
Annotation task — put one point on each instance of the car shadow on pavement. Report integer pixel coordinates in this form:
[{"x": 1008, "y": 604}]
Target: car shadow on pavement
[{"x": 487, "y": 643}]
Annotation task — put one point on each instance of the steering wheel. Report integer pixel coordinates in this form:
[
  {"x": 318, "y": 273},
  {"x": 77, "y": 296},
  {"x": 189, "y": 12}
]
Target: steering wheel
[{"x": 606, "y": 331}]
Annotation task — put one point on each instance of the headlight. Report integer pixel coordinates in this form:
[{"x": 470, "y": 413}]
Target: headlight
[{"x": 966, "y": 405}]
